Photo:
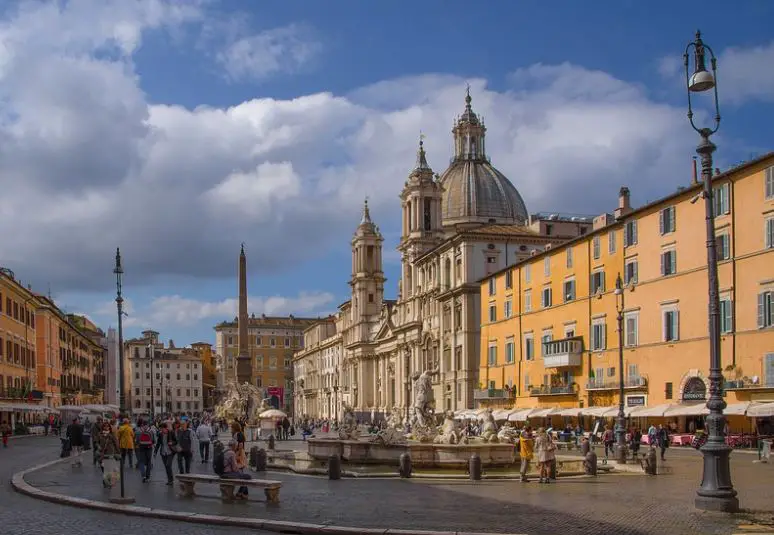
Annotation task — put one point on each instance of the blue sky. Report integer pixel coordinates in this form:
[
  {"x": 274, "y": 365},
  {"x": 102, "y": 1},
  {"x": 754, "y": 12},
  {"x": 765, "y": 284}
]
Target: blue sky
[{"x": 177, "y": 132}]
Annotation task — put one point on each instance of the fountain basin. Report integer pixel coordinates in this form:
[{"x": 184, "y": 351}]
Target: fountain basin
[{"x": 423, "y": 455}]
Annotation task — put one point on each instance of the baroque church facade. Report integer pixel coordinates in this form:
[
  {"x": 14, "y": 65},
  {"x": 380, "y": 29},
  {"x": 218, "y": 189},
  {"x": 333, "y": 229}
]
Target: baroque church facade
[{"x": 456, "y": 228}]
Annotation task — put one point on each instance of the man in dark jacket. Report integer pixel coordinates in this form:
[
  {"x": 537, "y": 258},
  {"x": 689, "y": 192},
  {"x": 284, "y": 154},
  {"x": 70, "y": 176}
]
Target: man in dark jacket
[
  {"x": 75, "y": 434},
  {"x": 96, "y": 429}
]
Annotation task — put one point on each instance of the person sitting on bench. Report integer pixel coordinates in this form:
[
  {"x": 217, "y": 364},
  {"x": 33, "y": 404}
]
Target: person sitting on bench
[{"x": 232, "y": 470}]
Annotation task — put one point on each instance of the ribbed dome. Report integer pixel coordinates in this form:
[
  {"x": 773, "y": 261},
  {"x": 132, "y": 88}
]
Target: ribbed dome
[{"x": 473, "y": 190}]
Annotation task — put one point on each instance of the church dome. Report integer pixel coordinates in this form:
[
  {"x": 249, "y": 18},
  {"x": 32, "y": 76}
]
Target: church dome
[{"x": 474, "y": 191}]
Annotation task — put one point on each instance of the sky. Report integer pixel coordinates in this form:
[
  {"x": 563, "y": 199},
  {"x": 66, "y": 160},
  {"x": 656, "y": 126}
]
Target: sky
[{"x": 179, "y": 130}]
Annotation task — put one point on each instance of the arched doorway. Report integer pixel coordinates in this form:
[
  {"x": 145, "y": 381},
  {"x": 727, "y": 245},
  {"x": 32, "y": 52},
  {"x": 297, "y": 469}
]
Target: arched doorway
[{"x": 694, "y": 389}]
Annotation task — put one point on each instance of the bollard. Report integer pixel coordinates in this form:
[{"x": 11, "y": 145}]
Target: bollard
[
  {"x": 253, "y": 456},
  {"x": 261, "y": 460},
  {"x": 474, "y": 467},
  {"x": 404, "y": 465},
  {"x": 334, "y": 467},
  {"x": 590, "y": 464},
  {"x": 650, "y": 461},
  {"x": 271, "y": 442}
]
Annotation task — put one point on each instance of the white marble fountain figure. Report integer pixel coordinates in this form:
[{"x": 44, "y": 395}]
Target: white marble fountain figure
[{"x": 423, "y": 426}]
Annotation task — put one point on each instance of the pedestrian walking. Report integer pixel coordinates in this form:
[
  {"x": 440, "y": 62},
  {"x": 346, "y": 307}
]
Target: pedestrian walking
[
  {"x": 662, "y": 438},
  {"x": 109, "y": 455},
  {"x": 74, "y": 434},
  {"x": 144, "y": 450},
  {"x": 526, "y": 450},
  {"x": 166, "y": 445},
  {"x": 5, "y": 432},
  {"x": 608, "y": 440},
  {"x": 126, "y": 442},
  {"x": 544, "y": 448},
  {"x": 185, "y": 438},
  {"x": 96, "y": 431},
  {"x": 204, "y": 434}
]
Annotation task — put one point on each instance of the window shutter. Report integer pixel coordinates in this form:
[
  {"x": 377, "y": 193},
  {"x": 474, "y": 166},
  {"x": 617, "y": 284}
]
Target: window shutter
[
  {"x": 664, "y": 325},
  {"x": 727, "y": 315},
  {"x": 661, "y": 215},
  {"x": 672, "y": 219},
  {"x": 634, "y": 232},
  {"x": 673, "y": 262},
  {"x": 761, "y": 310},
  {"x": 634, "y": 269},
  {"x": 676, "y": 325},
  {"x": 603, "y": 333},
  {"x": 663, "y": 264}
]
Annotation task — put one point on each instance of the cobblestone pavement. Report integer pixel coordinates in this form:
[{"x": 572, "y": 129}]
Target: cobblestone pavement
[
  {"x": 626, "y": 504},
  {"x": 22, "y": 515}
]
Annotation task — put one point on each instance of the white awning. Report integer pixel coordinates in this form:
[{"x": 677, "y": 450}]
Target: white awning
[
  {"x": 738, "y": 409},
  {"x": 571, "y": 412},
  {"x": 693, "y": 409},
  {"x": 595, "y": 411},
  {"x": 24, "y": 407},
  {"x": 542, "y": 413},
  {"x": 520, "y": 415},
  {"x": 502, "y": 414},
  {"x": 651, "y": 412},
  {"x": 612, "y": 412},
  {"x": 761, "y": 411}
]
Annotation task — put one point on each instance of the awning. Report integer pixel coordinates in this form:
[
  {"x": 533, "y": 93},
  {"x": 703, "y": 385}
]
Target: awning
[
  {"x": 738, "y": 409},
  {"x": 612, "y": 412},
  {"x": 761, "y": 411},
  {"x": 693, "y": 409},
  {"x": 595, "y": 411},
  {"x": 520, "y": 415},
  {"x": 571, "y": 412},
  {"x": 502, "y": 414},
  {"x": 656, "y": 411},
  {"x": 24, "y": 407},
  {"x": 542, "y": 413}
]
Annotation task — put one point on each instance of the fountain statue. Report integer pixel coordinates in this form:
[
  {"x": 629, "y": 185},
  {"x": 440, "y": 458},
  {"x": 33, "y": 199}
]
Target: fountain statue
[
  {"x": 450, "y": 431},
  {"x": 489, "y": 428},
  {"x": 240, "y": 401},
  {"x": 348, "y": 429},
  {"x": 423, "y": 426},
  {"x": 508, "y": 434},
  {"x": 393, "y": 433}
]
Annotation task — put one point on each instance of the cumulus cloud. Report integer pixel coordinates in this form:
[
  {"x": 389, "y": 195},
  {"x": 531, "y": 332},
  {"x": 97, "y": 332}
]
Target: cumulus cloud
[
  {"x": 87, "y": 163},
  {"x": 175, "y": 310}
]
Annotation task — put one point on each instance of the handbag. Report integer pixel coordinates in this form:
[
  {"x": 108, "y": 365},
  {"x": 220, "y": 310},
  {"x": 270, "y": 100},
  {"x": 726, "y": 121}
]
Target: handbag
[{"x": 177, "y": 449}]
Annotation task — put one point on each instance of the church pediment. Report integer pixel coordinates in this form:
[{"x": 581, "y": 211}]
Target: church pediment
[{"x": 385, "y": 330}]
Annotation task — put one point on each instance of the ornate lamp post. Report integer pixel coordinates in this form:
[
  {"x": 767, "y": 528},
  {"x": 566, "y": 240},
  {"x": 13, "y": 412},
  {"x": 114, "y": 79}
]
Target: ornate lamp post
[
  {"x": 119, "y": 272},
  {"x": 716, "y": 492},
  {"x": 620, "y": 423}
]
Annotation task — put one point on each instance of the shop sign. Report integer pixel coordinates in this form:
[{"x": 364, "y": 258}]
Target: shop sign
[
  {"x": 695, "y": 390},
  {"x": 636, "y": 401}
]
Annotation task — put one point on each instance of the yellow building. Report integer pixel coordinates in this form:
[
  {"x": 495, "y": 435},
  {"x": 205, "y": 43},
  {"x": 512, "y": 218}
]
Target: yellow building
[
  {"x": 210, "y": 373},
  {"x": 549, "y": 323}
]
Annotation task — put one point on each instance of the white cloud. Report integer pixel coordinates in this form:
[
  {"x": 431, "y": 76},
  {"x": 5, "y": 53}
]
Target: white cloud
[
  {"x": 178, "y": 189},
  {"x": 174, "y": 310},
  {"x": 270, "y": 52}
]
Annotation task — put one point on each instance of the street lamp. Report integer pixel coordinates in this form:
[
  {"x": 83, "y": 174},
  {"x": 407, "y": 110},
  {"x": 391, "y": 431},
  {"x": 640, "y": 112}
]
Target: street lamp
[
  {"x": 151, "y": 355},
  {"x": 119, "y": 271},
  {"x": 620, "y": 423},
  {"x": 716, "y": 492}
]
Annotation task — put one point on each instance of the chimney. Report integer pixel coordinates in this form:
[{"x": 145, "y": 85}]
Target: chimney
[
  {"x": 171, "y": 344},
  {"x": 695, "y": 176},
  {"x": 624, "y": 206}
]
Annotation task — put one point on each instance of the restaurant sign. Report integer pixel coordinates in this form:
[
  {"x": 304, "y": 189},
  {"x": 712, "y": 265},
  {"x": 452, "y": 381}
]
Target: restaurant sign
[
  {"x": 636, "y": 401},
  {"x": 695, "y": 390}
]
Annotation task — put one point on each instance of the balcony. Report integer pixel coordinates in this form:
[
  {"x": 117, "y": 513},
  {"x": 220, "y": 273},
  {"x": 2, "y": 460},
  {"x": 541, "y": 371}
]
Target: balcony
[
  {"x": 567, "y": 352},
  {"x": 494, "y": 393},
  {"x": 553, "y": 390},
  {"x": 629, "y": 382},
  {"x": 756, "y": 383}
]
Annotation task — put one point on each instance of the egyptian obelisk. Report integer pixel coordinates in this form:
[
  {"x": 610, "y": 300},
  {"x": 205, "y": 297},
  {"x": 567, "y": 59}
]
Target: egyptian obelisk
[{"x": 244, "y": 364}]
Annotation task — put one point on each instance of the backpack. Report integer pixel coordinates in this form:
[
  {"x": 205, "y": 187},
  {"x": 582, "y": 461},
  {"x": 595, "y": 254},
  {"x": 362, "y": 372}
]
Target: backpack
[
  {"x": 146, "y": 438},
  {"x": 218, "y": 458}
]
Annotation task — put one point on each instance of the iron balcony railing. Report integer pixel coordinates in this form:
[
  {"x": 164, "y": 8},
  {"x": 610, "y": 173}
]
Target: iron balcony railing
[
  {"x": 552, "y": 390},
  {"x": 629, "y": 382},
  {"x": 741, "y": 384},
  {"x": 493, "y": 393}
]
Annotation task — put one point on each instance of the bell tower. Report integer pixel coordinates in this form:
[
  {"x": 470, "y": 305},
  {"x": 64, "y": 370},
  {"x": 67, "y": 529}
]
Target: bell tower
[
  {"x": 367, "y": 280},
  {"x": 422, "y": 228}
]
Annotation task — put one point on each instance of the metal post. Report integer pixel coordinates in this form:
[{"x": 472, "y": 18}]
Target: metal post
[
  {"x": 716, "y": 492},
  {"x": 152, "y": 352},
  {"x": 121, "y": 398},
  {"x": 620, "y": 424}
]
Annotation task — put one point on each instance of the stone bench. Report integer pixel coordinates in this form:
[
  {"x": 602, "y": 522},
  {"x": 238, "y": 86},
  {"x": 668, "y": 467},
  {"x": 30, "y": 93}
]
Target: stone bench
[
  {"x": 561, "y": 445},
  {"x": 270, "y": 488}
]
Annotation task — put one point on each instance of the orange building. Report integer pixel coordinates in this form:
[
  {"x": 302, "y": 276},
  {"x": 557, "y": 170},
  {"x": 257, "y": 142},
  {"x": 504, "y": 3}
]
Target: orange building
[
  {"x": 549, "y": 333},
  {"x": 17, "y": 341},
  {"x": 209, "y": 372}
]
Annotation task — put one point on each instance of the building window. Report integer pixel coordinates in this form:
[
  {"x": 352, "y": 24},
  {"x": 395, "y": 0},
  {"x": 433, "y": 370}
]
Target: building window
[
  {"x": 769, "y": 226},
  {"x": 547, "y": 337},
  {"x": 720, "y": 200},
  {"x": 272, "y": 342},
  {"x": 630, "y": 234},
  {"x": 668, "y": 391},
  {"x": 492, "y": 354},
  {"x": 492, "y": 312},
  {"x": 288, "y": 363},
  {"x": 527, "y": 300},
  {"x": 765, "y": 309},
  {"x": 569, "y": 290},
  {"x": 508, "y": 280},
  {"x": 598, "y": 335},
  {"x": 528, "y": 273},
  {"x": 769, "y": 189},
  {"x": 545, "y": 297},
  {"x": 230, "y": 340},
  {"x": 668, "y": 262},
  {"x": 287, "y": 340},
  {"x": 611, "y": 242},
  {"x": 723, "y": 246},
  {"x": 529, "y": 347},
  {"x": 257, "y": 340},
  {"x": 178, "y": 376},
  {"x": 597, "y": 282},
  {"x": 259, "y": 381},
  {"x": 569, "y": 257},
  {"x": 259, "y": 361},
  {"x": 726, "y": 315},
  {"x": 671, "y": 325},
  {"x": 630, "y": 272},
  {"x": 526, "y": 382},
  {"x": 596, "y": 247},
  {"x": 272, "y": 363},
  {"x": 509, "y": 351},
  {"x": 666, "y": 220},
  {"x": 549, "y": 230},
  {"x": 507, "y": 308},
  {"x": 631, "y": 329},
  {"x": 492, "y": 286},
  {"x": 547, "y": 266}
]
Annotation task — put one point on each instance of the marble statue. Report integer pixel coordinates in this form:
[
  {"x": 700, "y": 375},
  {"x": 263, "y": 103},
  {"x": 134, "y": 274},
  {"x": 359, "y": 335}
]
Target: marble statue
[
  {"x": 450, "y": 431},
  {"x": 489, "y": 428},
  {"x": 348, "y": 429},
  {"x": 393, "y": 433},
  {"x": 507, "y": 433},
  {"x": 240, "y": 401},
  {"x": 423, "y": 426}
]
